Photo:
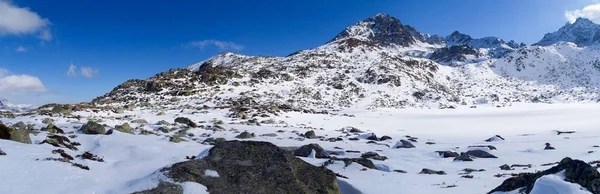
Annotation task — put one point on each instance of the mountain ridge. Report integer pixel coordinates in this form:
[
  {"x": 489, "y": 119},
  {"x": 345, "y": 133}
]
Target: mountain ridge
[{"x": 379, "y": 63}]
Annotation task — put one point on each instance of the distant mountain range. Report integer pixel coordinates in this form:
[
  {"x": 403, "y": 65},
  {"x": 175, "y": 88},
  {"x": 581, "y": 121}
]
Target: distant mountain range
[
  {"x": 381, "y": 63},
  {"x": 6, "y": 105}
]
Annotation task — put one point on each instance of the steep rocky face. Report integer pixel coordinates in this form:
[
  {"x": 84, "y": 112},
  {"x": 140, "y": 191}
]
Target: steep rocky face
[{"x": 582, "y": 32}]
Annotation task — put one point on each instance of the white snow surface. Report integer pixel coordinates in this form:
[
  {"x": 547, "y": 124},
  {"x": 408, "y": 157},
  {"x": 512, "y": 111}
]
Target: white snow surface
[
  {"x": 132, "y": 162},
  {"x": 555, "y": 184}
]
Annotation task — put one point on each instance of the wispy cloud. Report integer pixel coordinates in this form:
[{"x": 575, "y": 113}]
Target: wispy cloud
[
  {"x": 72, "y": 72},
  {"x": 21, "y": 49},
  {"x": 88, "y": 72},
  {"x": 16, "y": 20},
  {"x": 591, "y": 12},
  {"x": 19, "y": 84},
  {"x": 222, "y": 45}
]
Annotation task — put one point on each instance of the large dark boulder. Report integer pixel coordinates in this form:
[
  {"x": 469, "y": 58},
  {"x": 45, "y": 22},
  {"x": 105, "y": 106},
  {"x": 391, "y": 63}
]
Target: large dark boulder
[
  {"x": 186, "y": 121},
  {"x": 480, "y": 154},
  {"x": 305, "y": 151},
  {"x": 18, "y": 135},
  {"x": 253, "y": 167},
  {"x": 576, "y": 171},
  {"x": 163, "y": 188},
  {"x": 93, "y": 128}
]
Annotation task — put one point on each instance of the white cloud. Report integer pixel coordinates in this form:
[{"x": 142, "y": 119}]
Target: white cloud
[
  {"x": 591, "y": 12},
  {"x": 223, "y": 45},
  {"x": 4, "y": 72},
  {"x": 21, "y": 49},
  {"x": 72, "y": 71},
  {"x": 19, "y": 84},
  {"x": 88, "y": 72},
  {"x": 19, "y": 21}
]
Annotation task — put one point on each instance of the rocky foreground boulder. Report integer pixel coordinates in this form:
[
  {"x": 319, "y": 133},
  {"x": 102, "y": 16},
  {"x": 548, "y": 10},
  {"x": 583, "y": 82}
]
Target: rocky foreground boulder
[
  {"x": 251, "y": 167},
  {"x": 576, "y": 171},
  {"x": 18, "y": 135}
]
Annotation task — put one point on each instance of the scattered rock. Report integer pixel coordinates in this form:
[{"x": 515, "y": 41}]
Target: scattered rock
[
  {"x": 186, "y": 121},
  {"x": 310, "y": 134},
  {"x": 372, "y": 137},
  {"x": 576, "y": 171},
  {"x": 400, "y": 171},
  {"x": 162, "y": 122},
  {"x": 139, "y": 121},
  {"x": 352, "y": 129},
  {"x": 47, "y": 121},
  {"x": 93, "y": 128},
  {"x": 385, "y": 137},
  {"x": 447, "y": 154},
  {"x": 269, "y": 135},
  {"x": 548, "y": 147},
  {"x": 564, "y": 132},
  {"x": 51, "y": 128},
  {"x": 490, "y": 147},
  {"x": 467, "y": 176},
  {"x": 505, "y": 167},
  {"x": 362, "y": 161},
  {"x": 464, "y": 157},
  {"x": 430, "y": 143},
  {"x": 214, "y": 141},
  {"x": 374, "y": 156},
  {"x": 520, "y": 166},
  {"x": 239, "y": 163},
  {"x": 18, "y": 135},
  {"x": 429, "y": 171},
  {"x": 125, "y": 128},
  {"x": 60, "y": 141},
  {"x": 404, "y": 144},
  {"x": 306, "y": 151},
  {"x": 495, "y": 138},
  {"x": 90, "y": 156},
  {"x": 2, "y": 153},
  {"x": 175, "y": 139},
  {"x": 245, "y": 135},
  {"x": 353, "y": 139},
  {"x": 480, "y": 154}
]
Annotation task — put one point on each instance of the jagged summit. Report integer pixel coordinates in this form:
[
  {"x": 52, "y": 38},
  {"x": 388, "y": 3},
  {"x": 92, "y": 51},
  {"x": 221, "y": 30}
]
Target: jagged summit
[
  {"x": 582, "y": 32},
  {"x": 381, "y": 29}
]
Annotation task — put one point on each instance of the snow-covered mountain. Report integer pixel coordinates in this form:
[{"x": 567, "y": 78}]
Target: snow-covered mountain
[
  {"x": 6, "y": 105},
  {"x": 583, "y": 32},
  {"x": 380, "y": 63}
]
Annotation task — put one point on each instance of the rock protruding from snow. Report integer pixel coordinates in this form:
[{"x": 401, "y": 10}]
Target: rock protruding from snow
[
  {"x": 306, "y": 150},
  {"x": 575, "y": 171},
  {"x": 93, "y": 128},
  {"x": 239, "y": 162},
  {"x": 18, "y": 135}
]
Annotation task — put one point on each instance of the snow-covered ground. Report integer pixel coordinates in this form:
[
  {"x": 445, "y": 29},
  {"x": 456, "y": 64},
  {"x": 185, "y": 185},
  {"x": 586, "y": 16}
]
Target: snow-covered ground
[{"x": 132, "y": 160}]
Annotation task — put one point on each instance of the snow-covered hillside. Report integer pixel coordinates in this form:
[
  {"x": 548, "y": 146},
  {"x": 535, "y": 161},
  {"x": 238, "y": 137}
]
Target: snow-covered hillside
[
  {"x": 6, "y": 105},
  {"x": 381, "y": 63}
]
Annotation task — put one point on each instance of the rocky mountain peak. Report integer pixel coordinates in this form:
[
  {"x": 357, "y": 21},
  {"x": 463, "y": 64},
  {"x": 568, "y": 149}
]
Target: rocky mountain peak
[
  {"x": 582, "y": 32},
  {"x": 381, "y": 29}
]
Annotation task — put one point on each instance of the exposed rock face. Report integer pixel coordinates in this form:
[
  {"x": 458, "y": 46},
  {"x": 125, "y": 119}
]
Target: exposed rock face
[
  {"x": 454, "y": 53},
  {"x": 404, "y": 144},
  {"x": 381, "y": 29},
  {"x": 254, "y": 167},
  {"x": 93, "y": 128},
  {"x": 576, "y": 171}
]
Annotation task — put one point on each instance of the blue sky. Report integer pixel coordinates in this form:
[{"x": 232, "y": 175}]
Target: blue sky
[{"x": 110, "y": 41}]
